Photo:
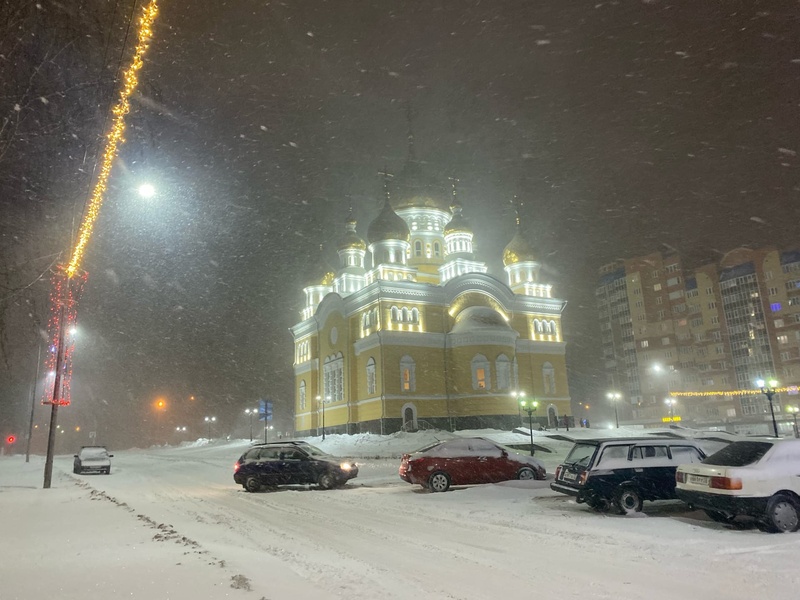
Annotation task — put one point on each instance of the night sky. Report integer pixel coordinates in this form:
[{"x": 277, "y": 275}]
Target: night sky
[{"x": 624, "y": 128}]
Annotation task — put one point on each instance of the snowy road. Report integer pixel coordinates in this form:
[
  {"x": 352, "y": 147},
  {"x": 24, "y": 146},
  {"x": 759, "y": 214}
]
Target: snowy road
[{"x": 382, "y": 538}]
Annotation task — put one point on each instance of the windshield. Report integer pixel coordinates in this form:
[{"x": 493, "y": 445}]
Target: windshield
[
  {"x": 581, "y": 454},
  {"x": 93, "y": 453},
  {"x": 739, "y": 454},
  {"x": 312, "y": 450}
]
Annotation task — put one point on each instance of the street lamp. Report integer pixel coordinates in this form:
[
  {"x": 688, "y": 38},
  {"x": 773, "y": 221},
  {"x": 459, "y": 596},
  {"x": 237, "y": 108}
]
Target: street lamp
[
  {"x": 794, "y": 410},
  {"x": 210, "y": 420},
  {"x": 250, "y": 412},
  {"x": 615, "y": 397},
  {"x": 530, "y": 408},
  {"x": 769, "y": 391},
  {"x": 671, "y": 403},
  {"x": 518, "y": 395}
]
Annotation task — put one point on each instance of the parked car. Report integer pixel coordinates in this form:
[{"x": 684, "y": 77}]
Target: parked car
[
  {"x": 760, "y": 479},
  {"x": 92, "y": 459},
  {"x": 623, "y": 473},
  {"x": 287, "y": 463},
  {"x": 466, "y": 461}
]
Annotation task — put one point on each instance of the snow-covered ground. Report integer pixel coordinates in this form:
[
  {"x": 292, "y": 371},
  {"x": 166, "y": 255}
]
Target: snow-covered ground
[{"x": 169, "y": 523}]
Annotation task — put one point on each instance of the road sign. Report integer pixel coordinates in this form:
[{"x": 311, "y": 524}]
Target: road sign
[{"x": 265, "y": 410}]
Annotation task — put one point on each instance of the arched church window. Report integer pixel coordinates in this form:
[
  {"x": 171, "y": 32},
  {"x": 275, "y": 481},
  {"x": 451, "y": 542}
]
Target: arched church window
[
  {"x": 549, "y": 378},
  {"x": 480, "y": 373},
  {"x": 408, "y": 381},
  {"x": 503, "y": 368},
  {"x": 302, "y": 395},
  {"x": 371, "y": 383},
  {"x": 437, "y": 250},
  {"x": 417, "y": 248}
]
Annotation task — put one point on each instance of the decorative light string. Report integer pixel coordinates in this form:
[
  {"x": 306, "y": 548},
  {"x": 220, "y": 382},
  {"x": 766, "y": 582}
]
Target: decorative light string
[
  {"x": 115, "y": 136},
  {"x": 790, "y": 388}
]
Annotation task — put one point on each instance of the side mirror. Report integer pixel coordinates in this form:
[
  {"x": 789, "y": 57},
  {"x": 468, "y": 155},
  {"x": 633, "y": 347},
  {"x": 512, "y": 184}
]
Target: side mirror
[
  {"x": 504, "y": 454},
  {"x": 110, "y": 456}
]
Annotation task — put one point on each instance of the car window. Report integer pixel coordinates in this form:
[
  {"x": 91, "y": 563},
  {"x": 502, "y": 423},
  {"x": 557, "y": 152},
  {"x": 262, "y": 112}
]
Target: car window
[
  {"x": 642, "y": 452},
  {"x": 613, "y": 455},
  {"x": 269, "y": 454},
  {"x": 252, "y": 454},
  {"x": 581, "y": 454},
  {"x": 484, "y": 448},
  {"x": 291, "y": 454},
  {"x": 452, "y": 448},
  {"x": 94, "y": 453},
  {"x": 685, "y": 454},
  {"x": 739, "y": 454}
]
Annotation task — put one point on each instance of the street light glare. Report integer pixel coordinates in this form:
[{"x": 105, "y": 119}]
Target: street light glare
[{"x": 146, "y": 190}]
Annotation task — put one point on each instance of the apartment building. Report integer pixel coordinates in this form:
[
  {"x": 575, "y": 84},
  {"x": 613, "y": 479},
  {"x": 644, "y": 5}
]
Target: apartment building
[{"x": 681, "y": 343}]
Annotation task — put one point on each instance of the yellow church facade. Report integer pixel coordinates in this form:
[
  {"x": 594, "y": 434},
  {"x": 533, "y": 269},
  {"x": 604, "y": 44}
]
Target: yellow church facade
[{"x": 424, "y": 336}]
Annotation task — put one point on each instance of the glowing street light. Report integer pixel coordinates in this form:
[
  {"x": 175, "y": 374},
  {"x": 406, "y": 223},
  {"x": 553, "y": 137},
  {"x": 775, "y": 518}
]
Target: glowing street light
[
  {"x": 250, "y": 412},
  {"x": 530, "y": 408},
  {"x": 769, "y": 391},
  {"x": 614, "y": 397},
  {"x": 146, "y": 190},
  {"x": 671, "y": 403},
  {"x": 210, "y": 420}
]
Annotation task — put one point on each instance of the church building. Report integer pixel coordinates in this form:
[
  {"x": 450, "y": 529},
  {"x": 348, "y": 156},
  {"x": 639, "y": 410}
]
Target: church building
[{"x": 411, "y": 331}]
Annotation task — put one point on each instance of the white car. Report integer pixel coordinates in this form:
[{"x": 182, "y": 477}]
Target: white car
[
  {"x": 758, "y": 478},
  {"x": 92, "y": 459}
]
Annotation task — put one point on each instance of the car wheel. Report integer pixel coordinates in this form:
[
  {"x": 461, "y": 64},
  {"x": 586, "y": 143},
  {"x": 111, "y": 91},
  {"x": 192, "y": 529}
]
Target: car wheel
[
  {"x": 252, "y": 484},
  {"x": 628, "y": 500},
  {"x": 783, "y": 514},
  {"x": 597, "y": 504},
  {"x": 439, "y": 482},
  {"x": 526, "y": 473},
  {"x": 720, "y": 517},
  {"x": 326, "y": 481}
]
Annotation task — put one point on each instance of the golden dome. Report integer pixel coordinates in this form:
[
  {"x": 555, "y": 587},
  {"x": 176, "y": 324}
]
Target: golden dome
[
  {"x": 328, "y": 278},
  {"x": 388, "y": 226},
  {"x": 423, "y": 201},
  {"x": 458, "y": 224},
  {"x": 351, "y": 241},
  {"x": 518, "y": 250}
]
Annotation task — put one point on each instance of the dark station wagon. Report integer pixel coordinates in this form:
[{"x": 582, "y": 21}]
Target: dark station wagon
[{"x": 624, "y": 472}]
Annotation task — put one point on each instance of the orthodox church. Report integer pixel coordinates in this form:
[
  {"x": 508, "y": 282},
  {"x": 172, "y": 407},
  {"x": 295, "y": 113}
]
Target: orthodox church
[{"x": 411, "y": 331}]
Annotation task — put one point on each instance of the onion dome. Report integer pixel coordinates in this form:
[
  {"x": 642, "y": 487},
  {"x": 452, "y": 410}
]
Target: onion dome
[
  {"x": 416, "y": 190},
  {"x": 388, "y": 225},
  {"x": 518, "y": 250},
  {"x": 458, "y": 224},
  {"x": 351, "y": 241},
  {"x": 320, "y": 273}
]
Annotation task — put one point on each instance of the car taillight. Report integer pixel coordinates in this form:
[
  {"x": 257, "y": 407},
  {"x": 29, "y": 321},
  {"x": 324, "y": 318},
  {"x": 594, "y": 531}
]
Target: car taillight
[
  {"x": 726, "y": 483},
  {"x": 680, "y": 477},
  {"x": 236, "y": 467}
]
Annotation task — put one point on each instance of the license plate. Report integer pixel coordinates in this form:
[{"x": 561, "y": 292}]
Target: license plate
[
  {"x": 569, "y": 476},
  {"x": 697, "y": 480}
]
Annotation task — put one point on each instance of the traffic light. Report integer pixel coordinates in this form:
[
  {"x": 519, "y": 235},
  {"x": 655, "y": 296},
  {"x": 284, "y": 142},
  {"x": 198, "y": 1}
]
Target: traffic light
[{"x": 11, "y": 439}]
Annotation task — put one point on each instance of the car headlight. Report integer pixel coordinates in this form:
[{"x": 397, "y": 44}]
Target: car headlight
[{"x": 345, "y": 466}]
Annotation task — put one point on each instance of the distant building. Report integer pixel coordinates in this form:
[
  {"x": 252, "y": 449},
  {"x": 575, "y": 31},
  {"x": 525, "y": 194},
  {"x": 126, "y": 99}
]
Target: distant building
[
  {"x": 716, "y": 328},
  {"x": 410, "y": 330}
]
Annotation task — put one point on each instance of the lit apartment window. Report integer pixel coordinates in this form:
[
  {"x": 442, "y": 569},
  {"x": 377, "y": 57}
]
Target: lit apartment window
[
  {"x": 783, "y": 339},
  {"x": 407, "y": 374},
  {"x": 657, "y": 287},
  {"x": 645, "y": 343}
]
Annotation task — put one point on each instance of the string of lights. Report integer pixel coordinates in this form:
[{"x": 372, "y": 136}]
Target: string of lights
[
  {"x": 791, "y": 388},
  {"x": 115, "y": 136}
]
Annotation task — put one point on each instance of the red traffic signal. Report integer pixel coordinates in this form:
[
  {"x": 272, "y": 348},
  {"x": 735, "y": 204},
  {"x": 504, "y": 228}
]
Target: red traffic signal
[{"x": 11, "y": 439}]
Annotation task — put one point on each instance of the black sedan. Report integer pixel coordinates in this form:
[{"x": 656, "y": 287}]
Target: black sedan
[{"x": 269, "y": 465}]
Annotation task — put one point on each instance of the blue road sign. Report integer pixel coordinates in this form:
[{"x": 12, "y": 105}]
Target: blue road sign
[{"x": 264, "y": 410}]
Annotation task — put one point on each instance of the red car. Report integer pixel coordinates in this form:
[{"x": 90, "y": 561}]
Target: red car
[{"x": 464, "y": 461}]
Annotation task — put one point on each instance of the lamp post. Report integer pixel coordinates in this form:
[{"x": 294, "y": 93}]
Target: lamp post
[
  {"x": 518, "y": 395},
  {"x": 671, "y": 403},
  {"x": 769, "y": 389},
  {"x": 793, "y": 410},
  {"x": 250, "y": 412},
  {"x": 530, "y": 408},
  {"x": 210, "y": 420},
  {"x": 614, "y": 397}
]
